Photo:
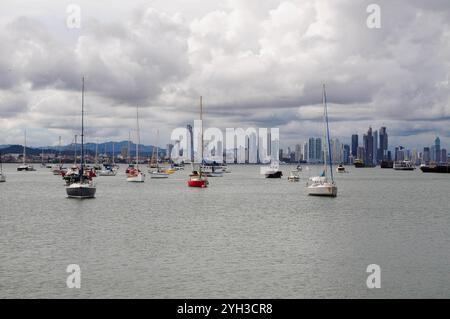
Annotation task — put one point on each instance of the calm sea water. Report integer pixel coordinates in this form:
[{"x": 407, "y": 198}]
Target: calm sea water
[{"x": 245, "y": 236}]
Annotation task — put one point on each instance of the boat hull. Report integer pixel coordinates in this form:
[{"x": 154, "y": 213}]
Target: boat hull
[
  {"x": 80, "y": 191},
  {"x": 158, "y": 175},
  {"x": 322, "y": 190},
  {"x": 25, "y": 169},
  {"x": 136, "y": 179},
  {"x": 436, "y": 169},
  {"x": 2, "y": 178},
  {"x": 277, "y": 174},
  {"x": 107, "y": 173},
  {"x": 200, "y": 183}
]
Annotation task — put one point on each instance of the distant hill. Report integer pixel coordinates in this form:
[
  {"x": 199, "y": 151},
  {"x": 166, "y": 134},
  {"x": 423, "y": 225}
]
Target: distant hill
[{"x": 144, "y": 150}]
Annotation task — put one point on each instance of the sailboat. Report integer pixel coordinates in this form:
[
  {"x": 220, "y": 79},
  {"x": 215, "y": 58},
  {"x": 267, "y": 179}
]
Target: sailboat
[
  {"x": 198, "y": 178},
  {"x": 134, "y": 174},
  {"x": 25, "y": 167},
  {"x": 82, "y": 186},
  {"x": 2, "y": 176},
  {"x": 58, "y": 169},
  {"x": 158, "y": 173},
  {"x": 324, "y": 185},
  {"x": 108, "y": 168}
]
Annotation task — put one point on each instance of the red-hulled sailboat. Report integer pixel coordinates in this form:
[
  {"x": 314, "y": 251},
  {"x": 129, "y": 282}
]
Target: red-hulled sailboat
[{"x": 198, "y": 178}]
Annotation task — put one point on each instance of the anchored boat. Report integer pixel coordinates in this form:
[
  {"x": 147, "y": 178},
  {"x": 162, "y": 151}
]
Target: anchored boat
[
  {"x": 324, "y": 184},
  {"x": 81, "y": 186}
]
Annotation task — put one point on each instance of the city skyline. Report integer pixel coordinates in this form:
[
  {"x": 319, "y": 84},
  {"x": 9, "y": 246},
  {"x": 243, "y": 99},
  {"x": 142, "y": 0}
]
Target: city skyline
[{"x": 257, "y": 64}]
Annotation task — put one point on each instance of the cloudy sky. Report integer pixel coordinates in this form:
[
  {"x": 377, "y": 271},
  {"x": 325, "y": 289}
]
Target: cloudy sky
[{"x": 257, "y": 63}]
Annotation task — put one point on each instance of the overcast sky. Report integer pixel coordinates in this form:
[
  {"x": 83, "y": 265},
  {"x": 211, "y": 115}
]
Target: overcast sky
[{"x": 257, "y": 63}]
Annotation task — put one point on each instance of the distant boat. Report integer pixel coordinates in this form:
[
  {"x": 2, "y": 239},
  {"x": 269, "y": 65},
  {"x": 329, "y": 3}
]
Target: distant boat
[
  {"x": 273, "y": 171},
  {"x": 81, "y": 186},
  {"x": 341, "y": 169},
  {"x": 323, "y": 185},
  {"x": 107, "y": 170},
  {"x": 157, "y": 173},
  {"x": 387, "y": 164},
  {"x": 404, "y": 166},
  {"x": 134, "y": 175},
  {"x": 198, "y": 178},
  {"x": 2, "y": 176},
  {"x": 360, "y": 164},
  {"x": 25, "y": 167},
  {"x": 294, "y": 176},
  {"x": 436, "y": 168}
]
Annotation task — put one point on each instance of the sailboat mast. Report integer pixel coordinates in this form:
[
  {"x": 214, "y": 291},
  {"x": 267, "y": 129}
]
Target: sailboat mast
[
  {"x": 157, "y": 149},
  {"x": 201, "y": 119},
  {"x": 328, "y": 133},
  {"x": 129, "y": 150},
  {"x": 82, "y": 130},
  {"x": 59, "y": 144},
  {"x": 138, "y": 137},
  {"x": 24, "y": 148}
]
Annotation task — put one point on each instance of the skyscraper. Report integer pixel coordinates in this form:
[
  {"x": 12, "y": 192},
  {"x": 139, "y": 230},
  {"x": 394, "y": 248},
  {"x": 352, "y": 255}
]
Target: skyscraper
[
  {"x": 346, "y": 154},
  {"x": 375, "y": 148},
  {"x": 191, "y": 142},
  {"x": 437, "y": 149},
  {"x": 355, "y": 145},
  {"x": 319, "y": 152},
  {"x": 311, "y": 150},
  {"x": 383, "y": 143},
  {"x": 368, "y": 147}
]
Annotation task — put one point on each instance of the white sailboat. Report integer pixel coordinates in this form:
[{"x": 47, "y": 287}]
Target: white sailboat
[
  {"x": 81, "y": 186},
  {"x": 134, "y": 175},
  {"x": 158, "y": 172},
  {"x": 324, "y": 185},
  {"x": 25, "y": 167}
]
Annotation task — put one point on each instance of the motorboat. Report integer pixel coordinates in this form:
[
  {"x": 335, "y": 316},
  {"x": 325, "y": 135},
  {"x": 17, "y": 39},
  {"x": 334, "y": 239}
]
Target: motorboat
[
  {"x": 294, "y": 176},
  {"x": 272, "y": 171},
  {"x": 341, "y": 169}
]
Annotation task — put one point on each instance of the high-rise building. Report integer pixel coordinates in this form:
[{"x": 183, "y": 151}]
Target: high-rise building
[
  {"x": 444, "y": 156},
  {"x": 368, "y": 147},
  {"x": 375, "y": 148},
  {"x": 360, "y": 153},
  {"x": 298, "y": 153},
  {"x": 437, "y": 149},
  {"x": 191, "y": 142},
  {"x": 346, "y": 154},
  {"x": 311, "y": 150},
  {"x": 305, "y": 151},
  {"x": 355, "y": 145},
  {"x": 319, "y": 150},
  {"x": 383, "y": 143}
]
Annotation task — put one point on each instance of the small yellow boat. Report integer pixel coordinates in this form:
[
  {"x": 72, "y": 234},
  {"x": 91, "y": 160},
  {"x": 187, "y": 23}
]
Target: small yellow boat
[{"x": 170, "y": 171}]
